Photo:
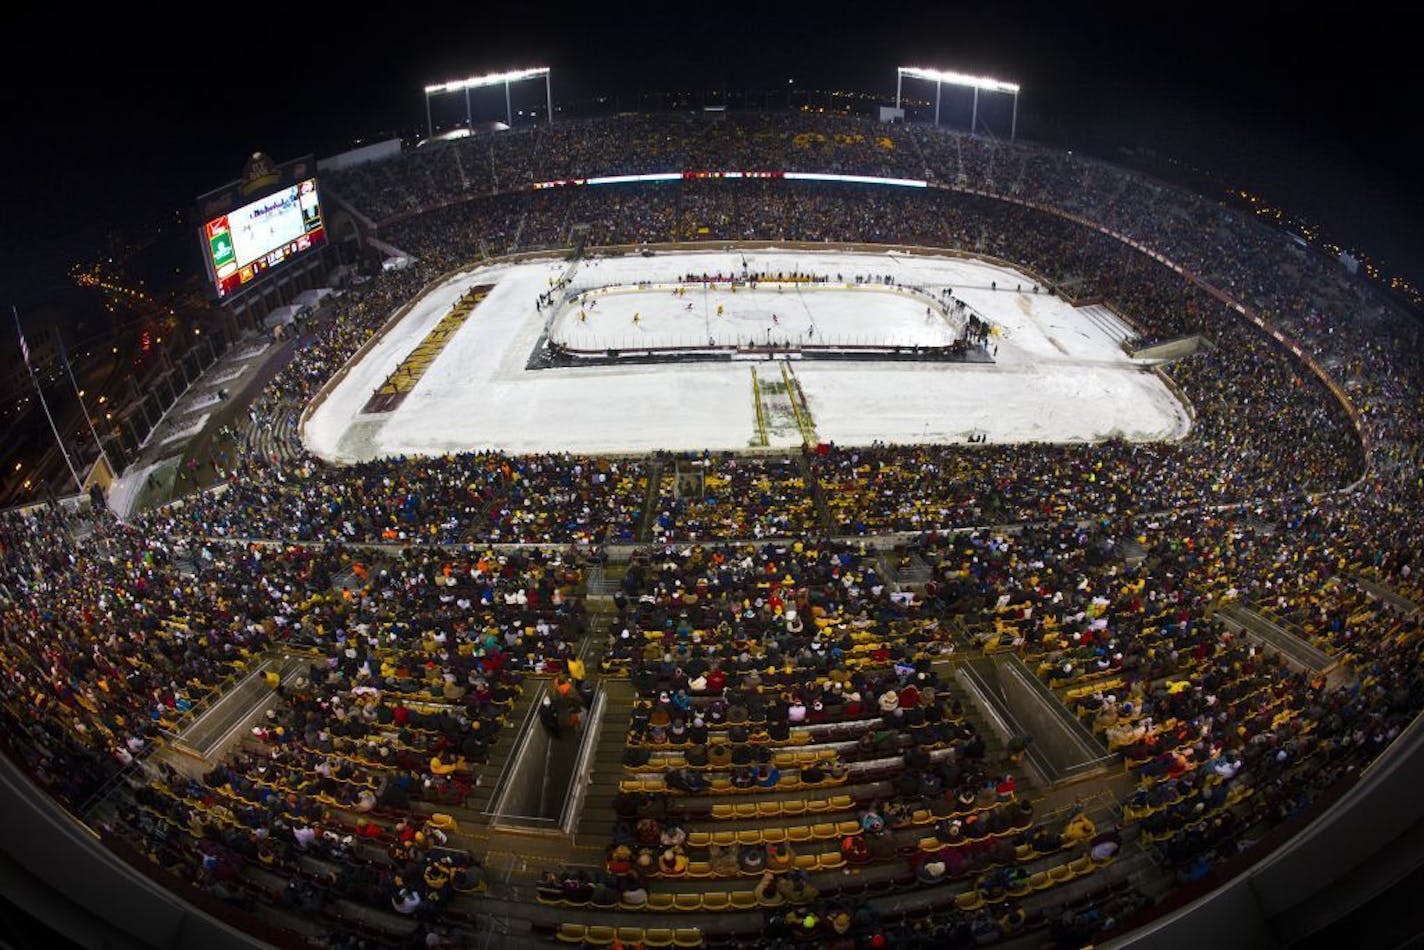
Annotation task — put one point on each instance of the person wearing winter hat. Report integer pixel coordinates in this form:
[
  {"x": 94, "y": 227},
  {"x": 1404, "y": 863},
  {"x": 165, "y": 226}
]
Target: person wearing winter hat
[
  {"x": 780, "y": 856},
  {"x": 930, "y": 872}
]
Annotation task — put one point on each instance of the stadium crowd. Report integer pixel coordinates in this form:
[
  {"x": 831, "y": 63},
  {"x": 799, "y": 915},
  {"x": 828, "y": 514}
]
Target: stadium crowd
[{"x": 788, "y": 665}]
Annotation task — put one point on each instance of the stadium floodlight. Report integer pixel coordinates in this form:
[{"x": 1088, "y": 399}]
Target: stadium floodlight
[
  {"x": 941, "y": 77},
  {"x": 489, "y": 79}
]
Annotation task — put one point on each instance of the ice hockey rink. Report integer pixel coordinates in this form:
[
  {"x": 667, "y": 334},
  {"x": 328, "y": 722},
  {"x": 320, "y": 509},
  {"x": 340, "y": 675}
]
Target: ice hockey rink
[{"x": 1058, "y": 374}]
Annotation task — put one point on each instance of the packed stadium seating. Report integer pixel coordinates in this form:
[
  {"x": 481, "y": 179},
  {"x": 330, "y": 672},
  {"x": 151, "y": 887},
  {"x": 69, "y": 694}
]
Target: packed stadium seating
[{"x": 795, "y": 715}]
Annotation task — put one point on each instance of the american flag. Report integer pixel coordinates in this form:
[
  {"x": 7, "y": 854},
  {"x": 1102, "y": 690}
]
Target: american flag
[{"x": 24, "y": 347}]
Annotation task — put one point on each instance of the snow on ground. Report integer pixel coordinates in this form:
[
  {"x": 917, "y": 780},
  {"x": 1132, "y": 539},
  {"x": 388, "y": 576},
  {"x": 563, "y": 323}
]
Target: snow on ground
[
  {"x": 127, "y": 487},
  {"x": 207, "y": 399},
  {"x": 187, "y": 431},
  {"x": 226, "y": 376},
  {"x": 919, "y": 402},
  {"x": 246, "y": 353},
  {"x": 1057, "y": 377}
]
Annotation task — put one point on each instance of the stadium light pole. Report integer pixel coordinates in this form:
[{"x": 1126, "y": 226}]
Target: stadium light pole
[
  {"x": 490, "y": 79},
  {"x": 942, "y": 77}
]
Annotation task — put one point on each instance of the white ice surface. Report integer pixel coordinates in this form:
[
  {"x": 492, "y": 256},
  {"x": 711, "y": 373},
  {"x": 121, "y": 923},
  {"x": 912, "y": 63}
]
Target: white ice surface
[
  {"x": 1057, "y": 375},
  {"x": 820, "y": 314}
]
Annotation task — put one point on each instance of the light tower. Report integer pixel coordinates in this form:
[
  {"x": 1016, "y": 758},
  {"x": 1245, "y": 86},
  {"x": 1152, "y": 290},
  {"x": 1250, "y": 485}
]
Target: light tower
[
  {"x": 490, "y": 79},
  {"x": 942, "y": 77}
]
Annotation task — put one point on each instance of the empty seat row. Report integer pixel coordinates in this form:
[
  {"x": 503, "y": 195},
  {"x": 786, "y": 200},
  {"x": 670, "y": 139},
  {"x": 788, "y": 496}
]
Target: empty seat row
[{"x": 601, "y": 936}]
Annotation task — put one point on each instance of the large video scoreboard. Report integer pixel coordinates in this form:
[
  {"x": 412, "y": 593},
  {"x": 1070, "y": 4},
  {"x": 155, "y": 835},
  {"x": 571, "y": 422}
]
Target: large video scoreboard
[
  {"x": 267, "y": 218},
  {"x": 248, "y": 241}
]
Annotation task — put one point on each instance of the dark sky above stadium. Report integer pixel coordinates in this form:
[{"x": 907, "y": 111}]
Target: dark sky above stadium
[{"x": 113, "y": 121}]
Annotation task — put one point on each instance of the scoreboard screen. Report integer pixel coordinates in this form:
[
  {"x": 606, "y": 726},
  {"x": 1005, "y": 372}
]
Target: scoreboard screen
[{"x": 245, "y": 243}]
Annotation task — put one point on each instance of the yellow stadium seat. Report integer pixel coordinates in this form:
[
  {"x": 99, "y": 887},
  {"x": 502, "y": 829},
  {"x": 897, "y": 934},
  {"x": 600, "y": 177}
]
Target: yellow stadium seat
[
  {"x": 698, "y": 839},
  {"x": 773, "y": 835},
  {"x": 831, "y": 861},
  {"x": 687, "y": 937},
  {"x": 969, "y": 900},
  {"x": 599, "y": 935},
  {"x": 687, "y": 901},
  {"x": 747, "y": 810},
  {"x": 724, "y": 839},
  {"x": 796, "y": 807},
  {"x": 699, "y": 869},
  {"x": 1041, "y": 881},
  {"x": 798, "y": 833},
  {"x": 657, "y": 937},
  {"x": 823, "y": 830},
  {"x": 743, "y": 900},
  {"x": 660, "y": 902},
  {"x": 847, "y": 827},
  {"x": 749, "y": 836},
  {"x": 716, "y": 900},
  {"x": 630, "y": 936},
  {"x": 571, "y": 933},
  {"x": 768, "y": 809}
]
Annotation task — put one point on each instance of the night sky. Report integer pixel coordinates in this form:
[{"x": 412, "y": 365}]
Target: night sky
[{"x": 115, "y": 123}]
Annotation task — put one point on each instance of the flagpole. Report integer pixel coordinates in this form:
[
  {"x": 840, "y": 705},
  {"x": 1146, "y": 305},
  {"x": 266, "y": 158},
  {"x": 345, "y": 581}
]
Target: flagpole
[
  {"x": 64, "y": 356},
  {"x": 25, "y": 352}
]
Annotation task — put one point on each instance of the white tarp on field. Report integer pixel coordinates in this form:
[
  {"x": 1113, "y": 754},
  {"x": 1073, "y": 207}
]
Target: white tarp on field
[{"x": 1056, "y": 377}]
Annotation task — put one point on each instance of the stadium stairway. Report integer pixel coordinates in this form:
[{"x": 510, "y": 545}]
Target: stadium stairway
[
  {"x": 595, "y": 823},
  {"x": 477, "y": 805},
  {"x": 224, "y": 721},
  {"x": 824, "y": 518},
  {"x": 1108, "y": 323},
  {"x": 1296, "y": 649},
  {"x": 1379, "y": 591},
  {"x": 650, "y": 500},
  {"x": 278, "y": 443},
  {"x": 996, "y": 751}
]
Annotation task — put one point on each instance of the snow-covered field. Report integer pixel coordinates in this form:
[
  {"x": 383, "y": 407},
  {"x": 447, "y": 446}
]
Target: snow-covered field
[{"x": 1057, "y": 376}]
